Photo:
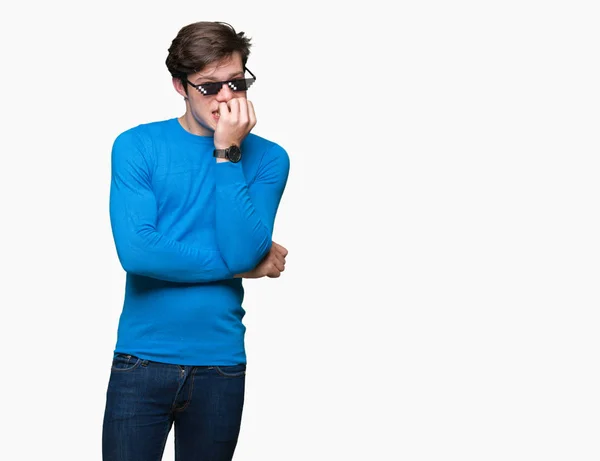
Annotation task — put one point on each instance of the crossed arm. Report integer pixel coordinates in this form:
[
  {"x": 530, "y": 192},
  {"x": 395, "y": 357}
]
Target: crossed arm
[{"x": 245, "y": 216}]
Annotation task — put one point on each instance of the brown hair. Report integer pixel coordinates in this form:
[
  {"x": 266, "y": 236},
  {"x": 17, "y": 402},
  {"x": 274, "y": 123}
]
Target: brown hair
[{"x": 202, "y": 43}]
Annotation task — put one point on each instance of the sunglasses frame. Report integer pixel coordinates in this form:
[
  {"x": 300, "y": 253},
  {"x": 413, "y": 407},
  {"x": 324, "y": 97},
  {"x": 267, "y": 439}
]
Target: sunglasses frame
[{"x": 219, "y": 85}]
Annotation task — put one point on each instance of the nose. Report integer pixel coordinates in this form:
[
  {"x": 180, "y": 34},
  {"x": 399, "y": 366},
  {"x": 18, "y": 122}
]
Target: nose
[{"x": 225, "y": 93}]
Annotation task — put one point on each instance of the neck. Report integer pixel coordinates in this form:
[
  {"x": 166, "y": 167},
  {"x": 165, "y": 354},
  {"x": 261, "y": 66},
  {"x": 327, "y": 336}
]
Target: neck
[{"x": 190, "y": 125}]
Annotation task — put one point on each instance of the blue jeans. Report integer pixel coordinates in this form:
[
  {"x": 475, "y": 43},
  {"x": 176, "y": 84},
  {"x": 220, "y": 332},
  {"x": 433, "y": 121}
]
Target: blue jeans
[{"x": 145, "y": 398}]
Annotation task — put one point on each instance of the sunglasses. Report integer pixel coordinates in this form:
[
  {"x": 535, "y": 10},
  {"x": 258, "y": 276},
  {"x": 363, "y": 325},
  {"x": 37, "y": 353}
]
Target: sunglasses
[{"x": 239, "y": 84}]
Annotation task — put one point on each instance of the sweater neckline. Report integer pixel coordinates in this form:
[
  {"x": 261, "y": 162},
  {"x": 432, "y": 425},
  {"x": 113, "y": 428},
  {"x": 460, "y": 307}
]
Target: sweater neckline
[{"x": 190, "y": 136}]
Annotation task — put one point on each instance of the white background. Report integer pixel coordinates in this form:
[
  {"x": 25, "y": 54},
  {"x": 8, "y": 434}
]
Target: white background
[{"x": 440, "y": 299}]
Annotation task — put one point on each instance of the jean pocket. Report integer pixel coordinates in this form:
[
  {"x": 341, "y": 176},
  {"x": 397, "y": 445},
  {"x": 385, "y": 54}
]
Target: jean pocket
[
  {"x": 125, "y": 362},
  {"x": 231, "y": 371}
]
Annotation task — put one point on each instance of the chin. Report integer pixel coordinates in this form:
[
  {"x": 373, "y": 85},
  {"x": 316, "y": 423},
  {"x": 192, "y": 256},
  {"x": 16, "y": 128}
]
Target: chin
[{"x": 209, "y": 125}]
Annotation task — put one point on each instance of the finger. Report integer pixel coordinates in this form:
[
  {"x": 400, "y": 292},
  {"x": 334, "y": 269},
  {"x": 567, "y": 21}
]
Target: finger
[
  {"x": 278, "y": 258},
  {"x": 223, "y": 109},
  {"x": 251, "y": 115},
  {"x": 234, "y": 109},
  {"x": 281, "y": 250},
  {"x": 274, "y": 249},
  {"x": 243, "y": 104},
  {"x": 276, "y": 262}
]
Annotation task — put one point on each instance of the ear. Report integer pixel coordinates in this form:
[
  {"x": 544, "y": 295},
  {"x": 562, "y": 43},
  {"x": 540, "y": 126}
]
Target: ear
[{"x": 178, "y": 85}]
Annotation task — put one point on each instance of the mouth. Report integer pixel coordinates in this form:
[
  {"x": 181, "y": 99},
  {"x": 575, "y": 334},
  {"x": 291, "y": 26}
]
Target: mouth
[{"x": 216, "y": 115}]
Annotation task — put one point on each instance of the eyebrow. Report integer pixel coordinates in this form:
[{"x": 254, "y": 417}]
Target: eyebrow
[{"x": 211, "y": 79}]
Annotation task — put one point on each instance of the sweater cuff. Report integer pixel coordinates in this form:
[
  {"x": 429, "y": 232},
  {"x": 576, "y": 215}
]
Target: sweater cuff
[{"x": 229, "y": 173}]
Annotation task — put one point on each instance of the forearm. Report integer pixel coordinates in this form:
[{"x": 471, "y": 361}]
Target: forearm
[
  {"x": 243, "y": 236},
  {"x": 142, "y": 250}
]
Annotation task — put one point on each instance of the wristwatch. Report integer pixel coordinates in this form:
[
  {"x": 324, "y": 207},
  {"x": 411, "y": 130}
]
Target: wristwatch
[{"x": 232, "y": 153}]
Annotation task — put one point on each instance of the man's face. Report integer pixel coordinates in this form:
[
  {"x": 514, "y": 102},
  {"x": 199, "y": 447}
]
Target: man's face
[{"x": 204, "y": 108}]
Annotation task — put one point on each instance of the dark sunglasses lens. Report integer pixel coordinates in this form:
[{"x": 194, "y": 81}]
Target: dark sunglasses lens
[
  {"x": 209, "y": 88},
  {"x": 241, "y": 84}
]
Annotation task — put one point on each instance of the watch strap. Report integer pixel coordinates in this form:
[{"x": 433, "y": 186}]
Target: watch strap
[{"x": 220, "y": 153}]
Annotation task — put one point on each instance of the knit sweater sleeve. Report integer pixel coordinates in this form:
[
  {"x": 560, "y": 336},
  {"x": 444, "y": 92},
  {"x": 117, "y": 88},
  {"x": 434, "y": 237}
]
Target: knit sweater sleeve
[
  {"x": 245, "y": 210},
  {"x": 141, "y": 248}
]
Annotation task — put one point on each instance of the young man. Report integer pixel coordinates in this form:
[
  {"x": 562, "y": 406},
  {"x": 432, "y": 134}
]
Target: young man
[{"x": 192, "y": 207}]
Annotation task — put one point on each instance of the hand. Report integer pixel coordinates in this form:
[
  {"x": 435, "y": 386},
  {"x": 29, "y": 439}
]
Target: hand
[
  {"x": 236, "y": 119},
  {"x": 271, "y": 266}
]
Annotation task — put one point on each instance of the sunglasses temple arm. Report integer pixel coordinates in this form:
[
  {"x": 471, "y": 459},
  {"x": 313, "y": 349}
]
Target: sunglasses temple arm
[{"x": 250, "y": 72}]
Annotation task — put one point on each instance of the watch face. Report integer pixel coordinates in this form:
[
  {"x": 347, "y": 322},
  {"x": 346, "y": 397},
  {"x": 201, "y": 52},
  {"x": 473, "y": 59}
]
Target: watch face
[{"x": 234, "y": 154}]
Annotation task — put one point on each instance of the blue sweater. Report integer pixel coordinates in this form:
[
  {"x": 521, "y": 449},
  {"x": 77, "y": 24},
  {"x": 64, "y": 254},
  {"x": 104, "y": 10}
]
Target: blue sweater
[{"x": 183, "y": 226}]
